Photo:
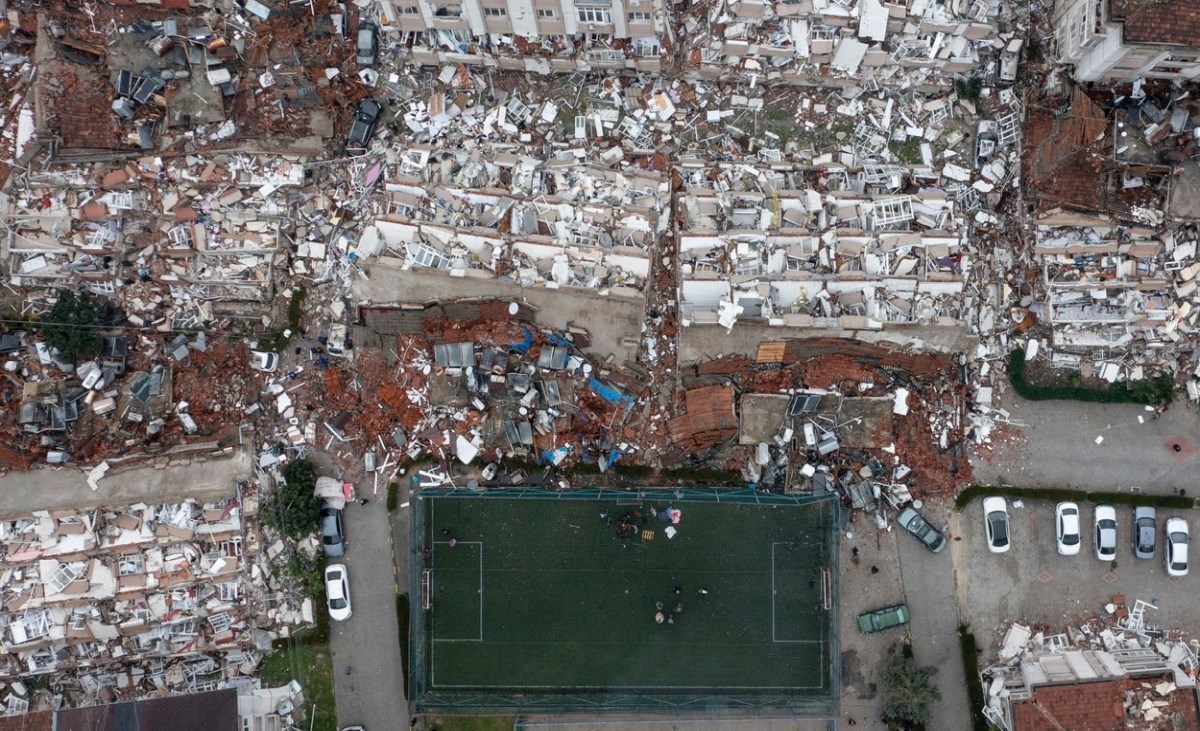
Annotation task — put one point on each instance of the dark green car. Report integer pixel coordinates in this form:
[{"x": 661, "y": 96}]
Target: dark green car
[{"x": 881, "y": 619}]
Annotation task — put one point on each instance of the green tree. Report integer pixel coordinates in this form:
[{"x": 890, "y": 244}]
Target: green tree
[
  {"x": 292, "y": 507},
  {"x": 908, "y": 690},
  {"x": 72, "y": 327}
]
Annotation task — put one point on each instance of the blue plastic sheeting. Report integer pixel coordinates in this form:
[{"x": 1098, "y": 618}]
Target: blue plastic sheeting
[
  {"x": 608, "y": 393},
  {"x": 612, "y": 458},
  {"x": 556, "y": 456},
  {"x": 523, "y": 346}
]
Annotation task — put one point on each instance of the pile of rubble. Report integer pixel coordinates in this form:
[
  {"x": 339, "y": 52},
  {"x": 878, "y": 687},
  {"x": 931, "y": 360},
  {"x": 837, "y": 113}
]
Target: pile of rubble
[
  {"x": 116, "y": 603},
  {"x": 1077, "y": 678}
]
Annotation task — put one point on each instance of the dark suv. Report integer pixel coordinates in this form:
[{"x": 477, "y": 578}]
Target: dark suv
[{"x": 366, "y": 116}]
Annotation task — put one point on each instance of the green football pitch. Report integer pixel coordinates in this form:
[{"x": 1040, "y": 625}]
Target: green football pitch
[{"x": 539, "y": 595}]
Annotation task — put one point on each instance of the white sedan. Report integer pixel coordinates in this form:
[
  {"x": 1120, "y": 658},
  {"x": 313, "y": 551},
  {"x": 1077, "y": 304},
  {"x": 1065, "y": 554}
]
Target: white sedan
[
  {"x": 1066, "y": 524},
  {"x": 995, "y": 522},
  {"x": 337, "y": 592},
  {"x": 1106, "y": 532},
  {"x": 1176, "y": 554}
]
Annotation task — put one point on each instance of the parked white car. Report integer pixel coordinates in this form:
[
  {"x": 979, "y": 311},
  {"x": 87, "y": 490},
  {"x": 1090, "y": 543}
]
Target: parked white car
[
  {"x": 1175, "y": 552},
  {"x": 1106, "y": 532},
  {"x": 1066, "y": 526},
  {"x": 337, "y": 592},
  {"x": 995, "y": 522}
]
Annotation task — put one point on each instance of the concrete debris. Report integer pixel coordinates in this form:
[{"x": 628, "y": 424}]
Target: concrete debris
[
  {"x": 1115, "y": 661},
  {"x": 119, "y": 602}
]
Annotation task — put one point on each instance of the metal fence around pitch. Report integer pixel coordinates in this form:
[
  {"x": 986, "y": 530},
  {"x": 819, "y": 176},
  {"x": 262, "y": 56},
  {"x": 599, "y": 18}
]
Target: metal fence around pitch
[{"x": 426, "y": 699}]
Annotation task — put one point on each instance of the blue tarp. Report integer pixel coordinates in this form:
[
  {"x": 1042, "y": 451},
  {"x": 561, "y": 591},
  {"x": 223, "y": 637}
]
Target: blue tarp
[
  {"x": 523, "y": 347},
  {"x": 609, "y": 393}
]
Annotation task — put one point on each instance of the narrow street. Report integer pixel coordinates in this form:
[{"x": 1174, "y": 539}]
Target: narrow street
[{"x": 367, "y": 673}]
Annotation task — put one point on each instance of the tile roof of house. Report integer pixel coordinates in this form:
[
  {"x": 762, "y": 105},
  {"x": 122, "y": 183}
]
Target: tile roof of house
[
  {"x": 1174, "y": 22},
  {"x": 1064, "y": 155},
  {"x": 1079, "y": 707}
]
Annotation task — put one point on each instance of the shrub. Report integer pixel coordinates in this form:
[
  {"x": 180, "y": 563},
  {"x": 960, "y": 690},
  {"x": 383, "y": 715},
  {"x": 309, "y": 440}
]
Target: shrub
[
  {"x": 1152, "y": 391},
  {"x": 393, "y": 496},
  {"x": 908, "y": 689},
  {"x": 72, "y": 327},
  {"x": 293, "y": 508},
  {"x": 1058, "y": 494},
  {"x": 970, "y": 660}
]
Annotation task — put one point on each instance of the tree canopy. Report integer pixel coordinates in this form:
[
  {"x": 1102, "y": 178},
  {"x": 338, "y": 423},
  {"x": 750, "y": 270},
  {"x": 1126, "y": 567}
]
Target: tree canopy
[
  {"x": 908, "y": 690},
  {"x": 292, "y": 508},
  {"x": 72, "y": 327}
]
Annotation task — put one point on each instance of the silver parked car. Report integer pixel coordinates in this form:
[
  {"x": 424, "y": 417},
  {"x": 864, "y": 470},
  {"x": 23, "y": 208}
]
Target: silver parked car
[{"x": 1145, "y": 532}]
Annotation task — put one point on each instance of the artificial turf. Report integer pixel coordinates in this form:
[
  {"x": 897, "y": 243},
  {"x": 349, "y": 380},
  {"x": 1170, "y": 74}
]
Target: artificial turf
[{"x": 542, "y": 594}]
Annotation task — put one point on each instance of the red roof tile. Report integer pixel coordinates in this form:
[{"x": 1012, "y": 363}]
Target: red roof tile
[
  {"x": 1173, "y": 22},
  {"x": 1077, "y": 707}
]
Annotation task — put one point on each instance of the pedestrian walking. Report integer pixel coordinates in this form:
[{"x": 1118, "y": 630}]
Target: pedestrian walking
[{"x": 874, "y": 569}]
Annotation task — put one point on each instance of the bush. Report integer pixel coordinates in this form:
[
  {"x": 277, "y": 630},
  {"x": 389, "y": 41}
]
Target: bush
[
  {"x": 1153, "y": 391},
  {"x": 970, "y": 659},
  {"x": 393, "y": 498},
  {"x": 402, "y": 622},
  {"x": 908, "y": 689},
  {"x": 293, "y": 509},
  {"x": 1058, "y": 494},
  {"x": 72, "y": 327}
]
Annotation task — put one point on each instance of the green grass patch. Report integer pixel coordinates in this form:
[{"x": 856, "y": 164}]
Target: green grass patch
[
  {"x": 1056, "y": 494},
  {"x": 633, "y": 470},
  {"x": 393, "y": 498},
  {"x": 296, "y": 308},
  {"x": 471, "y": 723},
  {"x": 402, "y": 622},
  {"x": 970, "y": 659},
  {"x": 909, "y": 151},
  {"x": 1153, "y": 391},
  {"x": 312, "y": 666}
]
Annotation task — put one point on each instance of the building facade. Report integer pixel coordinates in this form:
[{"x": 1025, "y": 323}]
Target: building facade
[{"x": 1123, "y": 40}]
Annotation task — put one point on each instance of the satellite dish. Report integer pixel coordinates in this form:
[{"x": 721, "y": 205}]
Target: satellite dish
[{"x": 513, "y": 307}]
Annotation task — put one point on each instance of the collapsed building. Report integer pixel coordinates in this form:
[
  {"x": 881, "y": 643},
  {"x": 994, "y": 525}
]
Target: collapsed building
[{"x": 117, "y": 602}]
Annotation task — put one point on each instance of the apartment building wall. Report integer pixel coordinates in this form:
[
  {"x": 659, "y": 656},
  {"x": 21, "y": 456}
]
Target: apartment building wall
[
  {"x": 1102, "y": 49},
  {"x": 529, "y": 18}
]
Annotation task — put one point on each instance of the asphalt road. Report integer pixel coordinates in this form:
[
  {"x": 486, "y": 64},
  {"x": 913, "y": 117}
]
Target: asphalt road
[
  {"x": 367, "y": 675},
  {"x": 1057, "y": 447},
  {"x": 929, "y": 588}
]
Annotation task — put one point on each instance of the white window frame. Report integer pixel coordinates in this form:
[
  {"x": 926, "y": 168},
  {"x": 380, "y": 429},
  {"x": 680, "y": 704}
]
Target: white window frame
[
  {"x": 598, "y": 16},
  {"x": 546, "y": 14},
  {"x": 639, "y": 16},
  {"x": 495, "y": 13},
  {"x": 407, "y": 9}
]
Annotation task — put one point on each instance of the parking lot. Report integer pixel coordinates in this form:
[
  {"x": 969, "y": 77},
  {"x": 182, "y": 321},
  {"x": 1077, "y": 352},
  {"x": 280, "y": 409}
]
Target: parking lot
[{"x": 1033, "y": 584}]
